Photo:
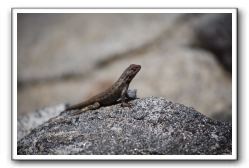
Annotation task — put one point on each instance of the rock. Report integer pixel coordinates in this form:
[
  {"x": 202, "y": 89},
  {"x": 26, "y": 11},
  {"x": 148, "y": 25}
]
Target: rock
[
  {"x": 26, "y": 123},
  {"x": 151, "y": 126},
  {"x": 217, "y": 38}
]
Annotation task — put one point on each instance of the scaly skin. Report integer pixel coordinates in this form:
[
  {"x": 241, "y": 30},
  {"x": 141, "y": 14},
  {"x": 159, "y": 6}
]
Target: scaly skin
[{"x": 118, "y": 91}]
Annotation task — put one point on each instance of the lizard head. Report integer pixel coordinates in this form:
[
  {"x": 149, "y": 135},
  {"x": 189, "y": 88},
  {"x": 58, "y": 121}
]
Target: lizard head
[
  {"x": 133, "y": 68},
  {"x": 130, "y": 73}
]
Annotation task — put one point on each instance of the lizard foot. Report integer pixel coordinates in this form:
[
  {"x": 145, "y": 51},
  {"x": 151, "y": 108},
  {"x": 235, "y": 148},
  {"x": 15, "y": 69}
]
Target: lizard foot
[{"x": 126, "y": 104}]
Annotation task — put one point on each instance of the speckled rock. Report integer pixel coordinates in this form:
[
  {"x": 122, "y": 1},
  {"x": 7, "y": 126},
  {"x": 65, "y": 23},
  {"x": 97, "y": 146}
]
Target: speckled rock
[
  {"x": 26, "y": 123},
  {"x": 151, "y": 126}
]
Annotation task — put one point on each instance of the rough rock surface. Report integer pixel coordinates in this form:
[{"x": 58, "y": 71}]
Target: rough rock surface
[
  {"x": 30, "y": 121},
  {"x": 151, "y": 126}
]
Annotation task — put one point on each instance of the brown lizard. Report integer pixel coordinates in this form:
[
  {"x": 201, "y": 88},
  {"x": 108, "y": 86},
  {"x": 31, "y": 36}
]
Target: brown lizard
[{"x": 117, "y": 92}]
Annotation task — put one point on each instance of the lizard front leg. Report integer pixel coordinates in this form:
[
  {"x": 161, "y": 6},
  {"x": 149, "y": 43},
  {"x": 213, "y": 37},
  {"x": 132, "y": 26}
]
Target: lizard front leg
[{"x": 124, "y": 102}]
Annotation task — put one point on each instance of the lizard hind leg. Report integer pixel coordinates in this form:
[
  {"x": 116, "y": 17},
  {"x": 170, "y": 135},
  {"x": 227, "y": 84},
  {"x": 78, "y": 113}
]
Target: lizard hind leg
[{"x": 94, "y": 106}]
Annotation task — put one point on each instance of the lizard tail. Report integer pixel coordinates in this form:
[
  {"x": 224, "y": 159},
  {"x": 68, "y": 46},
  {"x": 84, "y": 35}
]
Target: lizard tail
[
  {"x": 78, "y": 106},
  {"x": 74, "y": 107}
]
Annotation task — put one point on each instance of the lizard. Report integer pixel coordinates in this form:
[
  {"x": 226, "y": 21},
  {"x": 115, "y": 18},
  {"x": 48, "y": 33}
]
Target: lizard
[{"x": 117, "y": 92}]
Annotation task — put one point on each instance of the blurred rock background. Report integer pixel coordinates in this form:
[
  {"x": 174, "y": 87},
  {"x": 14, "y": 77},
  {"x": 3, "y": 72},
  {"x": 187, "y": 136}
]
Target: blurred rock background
[{"x": 185, "y": 58}]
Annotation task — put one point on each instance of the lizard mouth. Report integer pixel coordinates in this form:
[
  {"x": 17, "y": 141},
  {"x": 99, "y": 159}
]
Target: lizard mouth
[{"x": 135, "y": 67}]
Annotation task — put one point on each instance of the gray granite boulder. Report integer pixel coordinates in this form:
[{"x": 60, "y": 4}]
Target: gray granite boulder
[
  {"x": 25, "y": 123},
  {"x": 150, "y": 126}
]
